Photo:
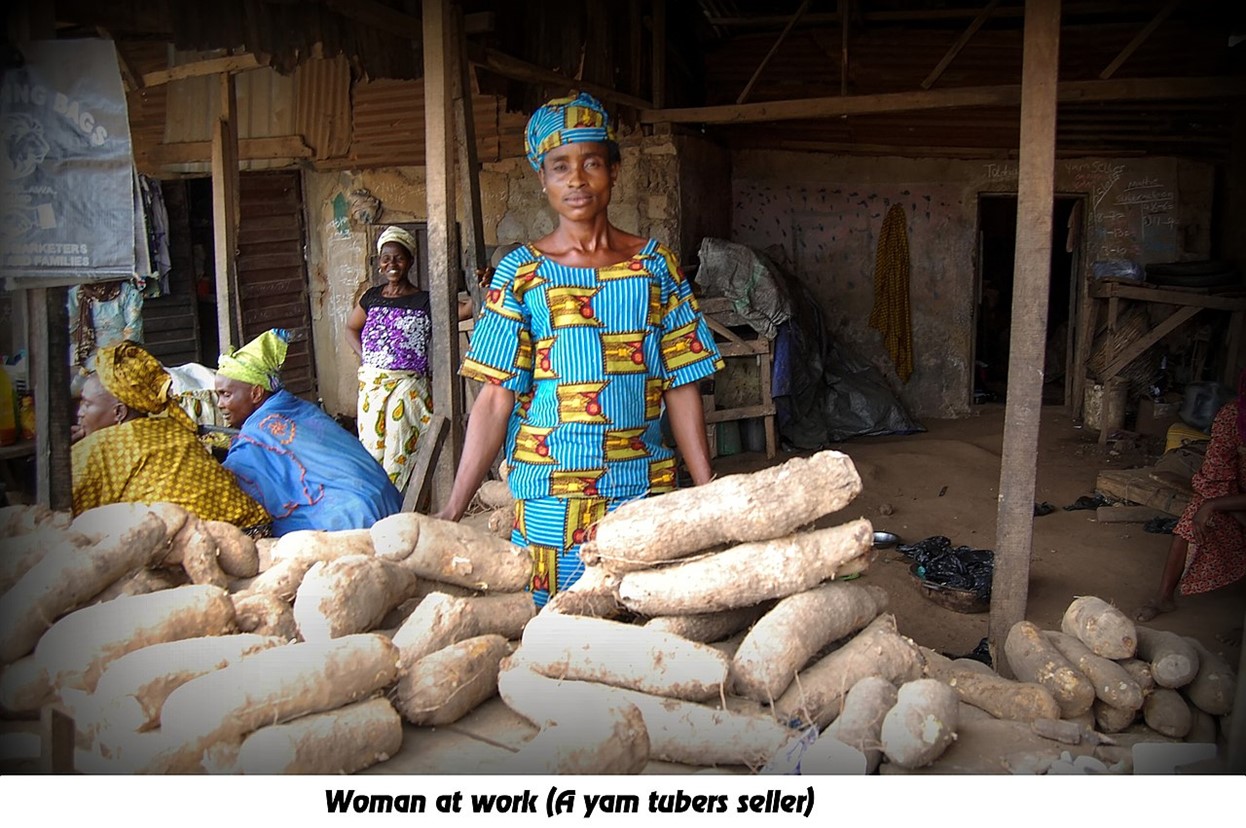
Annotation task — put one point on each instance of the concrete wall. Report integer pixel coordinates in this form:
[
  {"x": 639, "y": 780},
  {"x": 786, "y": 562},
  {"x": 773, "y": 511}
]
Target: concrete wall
[
  {"x": 825, "y": 212},
  {"x": 645, "y": 201}
]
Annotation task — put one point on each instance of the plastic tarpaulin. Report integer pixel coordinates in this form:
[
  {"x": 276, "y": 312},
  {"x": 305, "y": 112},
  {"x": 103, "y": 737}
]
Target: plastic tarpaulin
[{"x": 66, "y": 169}]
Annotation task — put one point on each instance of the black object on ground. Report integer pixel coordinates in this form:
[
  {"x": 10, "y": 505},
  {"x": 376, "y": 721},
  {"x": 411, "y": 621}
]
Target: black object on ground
[
  {"x": 982, "y": 653},
  {"x": 1044, "y": 508},
  {"x": 1160, "y": 525},
  {"x": 1088, "y": 502},
  {"x": 960, "y": 567}
]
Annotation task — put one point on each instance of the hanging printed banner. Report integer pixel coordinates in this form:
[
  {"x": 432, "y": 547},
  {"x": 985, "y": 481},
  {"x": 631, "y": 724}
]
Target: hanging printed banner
[{"x": 66, "y": 166}]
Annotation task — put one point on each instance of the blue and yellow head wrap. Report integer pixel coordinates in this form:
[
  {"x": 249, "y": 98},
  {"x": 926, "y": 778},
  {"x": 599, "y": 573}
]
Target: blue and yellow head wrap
[
  {"x": 566, "y": 121},
  {"x": 259, "y": 361}
]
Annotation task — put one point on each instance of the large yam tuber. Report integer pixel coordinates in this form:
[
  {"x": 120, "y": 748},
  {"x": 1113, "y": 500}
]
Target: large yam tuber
[
  {"x": 1140, "y": 672},
  {"x": 25, "y": 686},
  {"x": 1109, "y": 719},
  {"x": 817, "y": 694},
  {"x": 77, "y": 649},
  {"x": 748, "y": 574},
  {"x": 318, "y": 545},
  {"x": 1034, "y": 658},
  {"x": 1167, "y": 713},
  {"x": 679, "y": 731},
  {"x": 441, "y": 620},
  {"x": 1002, "y": 698},
  {"x": 18, "y": 555},
  {"x": 143, "y": 582},
  {"x": 1103, "y": 628},
  {"x": 1174, "y": 663},
  {"x": 452, "y": 552},
  {"x": 445, "y": 686},
  {"x": 195, "y": 549},
  {"x": 922, "y": 723},
  {"x": 860, "y": 723},
  {"x": 1112, "y": 682},
  {"x": 595, "y": 594},
  {"x": 345, "y": 740},
  {"x": 277, "y": 685},
  {"x": 495, "y": 494},
  {"x": 623, "y": 655},
  {"x": 349, "y": 595},
  {"x": 19, "y": 520},
  {"x": 1214, "y": 687},
  {"x": 598, "y": 739},
  {"x": 65, "y": 578},
  {"x": 709, "y": 626},
  {"x": 236, "y": 551},
  {"x": 149, "y": 675},
  {"x": 793, "y": 631},
  {"x": 733, "y": 509}
]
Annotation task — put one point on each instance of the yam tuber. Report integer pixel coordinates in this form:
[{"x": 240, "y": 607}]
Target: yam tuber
[
  {"x": 1103, "y": 628},
  {"x": 623, "y": 655},
  {"x": 1174, "y": 663},
  {"x": 441, "y": 620},
  {"x": 817, "y": 694},
  {"x": 595, "y": 594},
  {"x": 18, "y": 555},
  {"x": 495, "y": 494},
  {"x": 606, "y": 738},
  {"x": 236, "y": 551},
  {"x": 793, "y": 631},
  {"x": 1109, "y": 719},
  {"x": 277, "y": 685},
  {"x": 265, "y": 614},
  {"x": 25, "y": 686},
  {"x": 860, "y": 723},
  {"x": 452, "y": 552},
  {"x": 748, "y": 574},
  {"x": 65, "y": 578},
  {"x": 1167, "y": 713},
  {"x": 733, "y": 509},
  {"x": 1214, "y": 687},
  {"x": 922, "y": 723},
  {"x": 998, "y": 696},
  {"x": 318, "y": 545},
  {"x": 143, "y": 582},
  {"x": 349, "y": 595},
  {"x": 1112, "y": 683},
  {"x": 344, "y": 740},
  {"x": 149, "y": 675},
  {"x": 679, "y": 731},
  {"x": 1034, "y": 658},
  {"x": 77, "y": 648},
  {"x": 445, "y": 686},
  {"x": 709, "y": 626}
]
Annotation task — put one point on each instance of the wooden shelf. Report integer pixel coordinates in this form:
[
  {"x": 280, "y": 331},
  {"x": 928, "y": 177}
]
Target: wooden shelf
[{"x": 721, "y": 318}]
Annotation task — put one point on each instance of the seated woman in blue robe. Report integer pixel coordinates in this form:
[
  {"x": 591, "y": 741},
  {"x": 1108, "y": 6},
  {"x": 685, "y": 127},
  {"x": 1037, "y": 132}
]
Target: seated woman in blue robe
[{"x": 291, "y": 457}]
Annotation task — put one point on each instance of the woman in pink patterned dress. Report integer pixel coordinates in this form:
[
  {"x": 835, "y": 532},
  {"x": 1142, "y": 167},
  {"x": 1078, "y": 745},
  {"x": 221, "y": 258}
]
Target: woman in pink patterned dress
[{"x": 1209, "y": 542}]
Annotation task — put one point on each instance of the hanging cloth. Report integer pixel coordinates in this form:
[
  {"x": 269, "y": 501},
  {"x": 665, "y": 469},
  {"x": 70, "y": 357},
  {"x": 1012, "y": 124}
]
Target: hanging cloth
[{"x": 892, "y": 316}]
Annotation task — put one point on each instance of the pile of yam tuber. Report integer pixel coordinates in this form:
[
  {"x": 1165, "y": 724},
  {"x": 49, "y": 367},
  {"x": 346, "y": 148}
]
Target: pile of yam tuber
[
  {"x": 733, "y": 637},
  {"x": 184, "y": 646}
]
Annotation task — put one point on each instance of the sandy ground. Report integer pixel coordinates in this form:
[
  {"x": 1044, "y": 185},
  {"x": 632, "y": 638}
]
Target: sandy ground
[{"x": 1073, "y": 554}]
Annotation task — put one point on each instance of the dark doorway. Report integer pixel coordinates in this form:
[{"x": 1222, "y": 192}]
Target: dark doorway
[{"x": 997, "y": 246}]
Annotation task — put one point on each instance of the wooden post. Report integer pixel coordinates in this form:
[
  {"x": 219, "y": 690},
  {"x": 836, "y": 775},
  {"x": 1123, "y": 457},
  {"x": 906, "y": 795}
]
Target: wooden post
[
  {"x": 1031, "y": 275},
  {"x": 56, "y": 732},
  {"x": 225, "y": 218},
  {"x": 48, "y": 331},
  {"x": 440, "y": 64},
  {"x": 469, "y": 167}
]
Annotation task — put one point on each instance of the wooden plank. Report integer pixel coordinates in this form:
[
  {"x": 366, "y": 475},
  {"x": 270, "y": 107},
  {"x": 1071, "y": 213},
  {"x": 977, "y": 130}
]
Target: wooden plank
[
  {"x": 419, "y": 485},
  {"x": 1132, "y": 46},
  {"x": 440, "y": 63},
  {"x": 469, "y": 169},
  {"x": 1032, "y": 272},
  {"x": 761, "y": 67},
  {"x": 844, "y": 18},
  {"x": 743, "y": 413},
  {"x": 751, "y": 347},
  {"x": 1138, "y": 487},
  {"x": 503, "y": 64},
  {"x": 1233, "y": 362},
  {"x": 249, "y": 149},
  {"x": 960, "y": 43},
  {"x": 1165, "y": 296},
  {"x": 56, "y": 750},
  {"x": 379, "y": 16},
  {"x": 1139, "y": 346},
  {"x": 1127, "y": 514},
  {"x": 225, "y": 219},
  {"x": 1134, "y": 89},
  {"x": 211, "y": 66}
]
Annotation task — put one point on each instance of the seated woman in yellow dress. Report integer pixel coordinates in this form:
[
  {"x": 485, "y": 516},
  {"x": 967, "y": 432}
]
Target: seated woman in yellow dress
[{"x": 141, "y": 447}]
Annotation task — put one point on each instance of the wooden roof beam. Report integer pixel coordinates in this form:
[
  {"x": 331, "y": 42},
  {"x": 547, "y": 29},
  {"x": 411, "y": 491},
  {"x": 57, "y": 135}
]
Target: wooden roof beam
[
  {"x": 211, "y": 66},
  {"x": 964, "y": 38},
  {"x": 1141, "y": 36},
  {"x": 1139, "y": 89},
  {"x": 511, "y": 67}
]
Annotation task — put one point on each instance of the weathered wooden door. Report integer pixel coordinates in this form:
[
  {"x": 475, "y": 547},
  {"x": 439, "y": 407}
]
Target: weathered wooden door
[{"x": 272, "y": 270}]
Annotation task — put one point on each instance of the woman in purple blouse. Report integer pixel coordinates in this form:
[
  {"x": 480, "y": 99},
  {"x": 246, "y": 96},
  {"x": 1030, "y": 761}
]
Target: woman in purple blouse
[{"x": 391, "y": 331}]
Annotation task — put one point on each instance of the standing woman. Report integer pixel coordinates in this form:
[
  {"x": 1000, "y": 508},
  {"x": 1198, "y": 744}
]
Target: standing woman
[{"x": 585, "y": 336}]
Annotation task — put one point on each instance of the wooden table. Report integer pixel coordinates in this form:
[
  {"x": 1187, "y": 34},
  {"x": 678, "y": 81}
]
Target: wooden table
[{"x": 1188, "y": 304}]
